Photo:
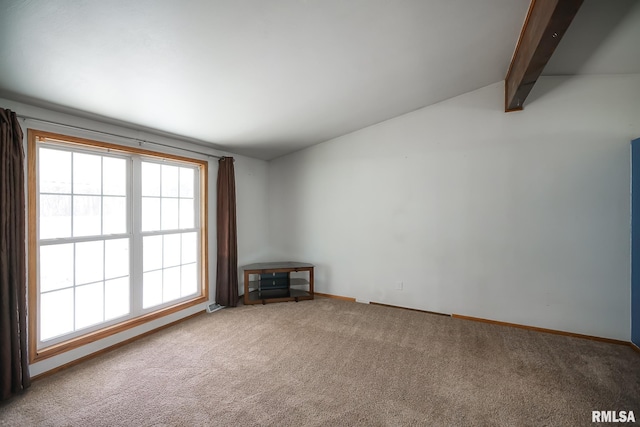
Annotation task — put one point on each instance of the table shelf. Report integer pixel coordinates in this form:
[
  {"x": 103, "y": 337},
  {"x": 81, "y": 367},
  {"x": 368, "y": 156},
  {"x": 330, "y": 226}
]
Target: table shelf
[{"x": 283, "y": 287}]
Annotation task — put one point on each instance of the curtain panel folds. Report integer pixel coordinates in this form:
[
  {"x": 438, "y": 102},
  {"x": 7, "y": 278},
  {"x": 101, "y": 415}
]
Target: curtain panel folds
[
  {"x": 227, "y": 266},
  {"x": 14, "y": 365}
]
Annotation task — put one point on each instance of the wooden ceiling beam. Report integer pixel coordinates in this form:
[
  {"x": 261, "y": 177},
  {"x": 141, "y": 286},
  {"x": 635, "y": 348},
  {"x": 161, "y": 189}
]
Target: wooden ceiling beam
[{"x": 546, "y": 23}]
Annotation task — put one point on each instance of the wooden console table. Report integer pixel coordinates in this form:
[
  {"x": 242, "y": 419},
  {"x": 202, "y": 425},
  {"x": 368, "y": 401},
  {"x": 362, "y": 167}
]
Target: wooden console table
[{"x": 272, "y": 282}]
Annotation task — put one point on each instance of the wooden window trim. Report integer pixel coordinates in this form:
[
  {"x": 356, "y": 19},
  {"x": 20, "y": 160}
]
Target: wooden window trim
[{"x": 37, "y": 355}]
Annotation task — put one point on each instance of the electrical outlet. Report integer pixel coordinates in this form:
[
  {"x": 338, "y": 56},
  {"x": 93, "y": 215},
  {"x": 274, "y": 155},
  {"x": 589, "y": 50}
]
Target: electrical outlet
[{"x": 399, "y": 286}]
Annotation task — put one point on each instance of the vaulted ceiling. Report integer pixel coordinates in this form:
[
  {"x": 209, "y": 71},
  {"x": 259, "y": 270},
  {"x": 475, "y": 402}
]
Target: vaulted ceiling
[{"x": 267, "y": 77}]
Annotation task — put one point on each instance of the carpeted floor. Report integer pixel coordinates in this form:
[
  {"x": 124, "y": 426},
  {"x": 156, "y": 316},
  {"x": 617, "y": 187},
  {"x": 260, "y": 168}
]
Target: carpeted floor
[{"x": 328, "y": 362}]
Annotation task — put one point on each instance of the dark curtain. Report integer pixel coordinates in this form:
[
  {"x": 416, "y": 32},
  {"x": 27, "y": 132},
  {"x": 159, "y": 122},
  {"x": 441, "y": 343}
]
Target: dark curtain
[
  {"x": 14, "y": 365},
  {"x": 227, "y": 272}
]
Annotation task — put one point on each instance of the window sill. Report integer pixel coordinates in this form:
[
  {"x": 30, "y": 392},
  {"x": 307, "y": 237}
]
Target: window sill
[{"x": 56, "y": 349}]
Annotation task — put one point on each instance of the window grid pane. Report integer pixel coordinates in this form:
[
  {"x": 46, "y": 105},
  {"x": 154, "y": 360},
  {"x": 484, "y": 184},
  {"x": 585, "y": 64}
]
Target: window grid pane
[
  {"x": 55, "y": 216},
  {"x": 173, "y": 259},
  {"x": 167, "y": 197},
  {"x": 114, "y": 219},
  {"x": 84, "y": 283},
  {"x": 55, "y": 171},
  {"x": 56, "y": 313},
  {"x": 77, "y": 194},
  {"x": 87, "y": 173},
  {"x": 114, "y": 176},
  {"x": 87, "y": 215},
  {"x": 79, "y": 268},
  {"x": 116, "y": 298},
  {"x": 89, "y": 305}
]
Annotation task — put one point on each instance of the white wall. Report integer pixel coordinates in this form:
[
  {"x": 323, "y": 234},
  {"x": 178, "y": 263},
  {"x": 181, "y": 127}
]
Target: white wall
[
  {"x": 251, "y": 189},
  {"x": 519, "y": 217}
]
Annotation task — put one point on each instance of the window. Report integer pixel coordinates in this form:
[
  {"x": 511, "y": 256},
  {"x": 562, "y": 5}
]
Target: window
[{"x": 117, "y": 237}]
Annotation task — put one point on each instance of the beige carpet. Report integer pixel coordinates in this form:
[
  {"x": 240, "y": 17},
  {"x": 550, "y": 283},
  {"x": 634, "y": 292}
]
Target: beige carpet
[{"x": 328, "y": 362}]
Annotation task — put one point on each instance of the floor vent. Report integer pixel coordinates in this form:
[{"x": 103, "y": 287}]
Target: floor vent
[{"x": 214, "y": 307}]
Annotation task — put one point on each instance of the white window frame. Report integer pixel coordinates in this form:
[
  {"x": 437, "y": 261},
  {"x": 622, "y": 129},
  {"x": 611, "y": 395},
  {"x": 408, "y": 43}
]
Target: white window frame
[{"x": 137, "y": 314}]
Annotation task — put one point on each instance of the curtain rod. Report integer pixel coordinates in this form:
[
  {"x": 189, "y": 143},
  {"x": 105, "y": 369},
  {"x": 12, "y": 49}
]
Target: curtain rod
[{"x": 138, "y": 140}]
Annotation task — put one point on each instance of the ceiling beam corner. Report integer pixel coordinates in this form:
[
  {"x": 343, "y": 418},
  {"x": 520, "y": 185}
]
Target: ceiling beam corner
[{"x": 544, "y": 26}]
